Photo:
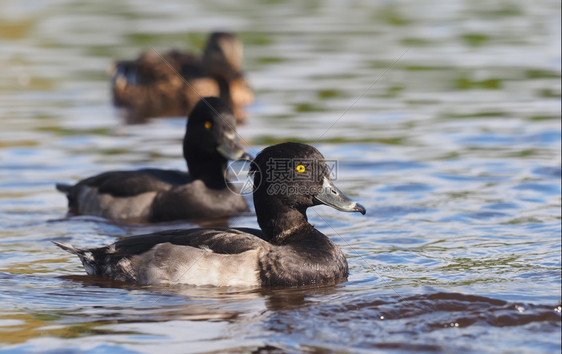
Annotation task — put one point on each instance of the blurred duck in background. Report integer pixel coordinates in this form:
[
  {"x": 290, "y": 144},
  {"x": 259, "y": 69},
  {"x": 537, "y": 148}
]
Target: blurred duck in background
[{"x": 170, "y": 84}]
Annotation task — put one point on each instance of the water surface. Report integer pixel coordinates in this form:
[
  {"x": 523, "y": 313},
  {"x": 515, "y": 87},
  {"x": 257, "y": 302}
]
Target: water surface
[{"x": 444, "y": 120}]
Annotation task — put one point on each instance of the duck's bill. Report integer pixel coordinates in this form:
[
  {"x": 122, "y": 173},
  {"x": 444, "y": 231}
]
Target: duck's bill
[
  {"x": 333, "y": 197},
  {"x": 231, "y": 149}
]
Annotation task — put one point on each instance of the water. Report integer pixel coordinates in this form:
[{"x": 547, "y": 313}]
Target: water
[{"x": 444, "y": 120}]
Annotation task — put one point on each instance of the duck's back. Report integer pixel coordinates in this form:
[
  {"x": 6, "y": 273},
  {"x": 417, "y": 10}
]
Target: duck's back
[
  {"x": 122, "y": 195},
  {"x": 151, "y": 67},
  {"x": 151, "y": 195},
  {"x": 197, "y": 201},
  {"x": 161, "y": 85}
]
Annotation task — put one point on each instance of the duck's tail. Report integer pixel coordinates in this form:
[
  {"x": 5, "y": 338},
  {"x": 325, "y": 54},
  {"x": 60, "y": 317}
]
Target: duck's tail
[
  {"x": 64, "y": 188},
  {"x": 85, "y": 256},
  {"x": 69, "y": 248}
]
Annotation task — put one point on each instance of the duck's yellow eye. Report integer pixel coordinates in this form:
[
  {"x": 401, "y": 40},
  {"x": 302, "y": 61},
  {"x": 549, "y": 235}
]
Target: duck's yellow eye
[
  {"x": 208, "y": 125},
  {"x": 300, "y": 168}
]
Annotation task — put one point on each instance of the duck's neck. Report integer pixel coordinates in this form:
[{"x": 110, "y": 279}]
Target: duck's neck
[
  {"x": 209, "y": 168},
  {"x": 224, "y": 89},
  {"x": 279, "y": 221}
]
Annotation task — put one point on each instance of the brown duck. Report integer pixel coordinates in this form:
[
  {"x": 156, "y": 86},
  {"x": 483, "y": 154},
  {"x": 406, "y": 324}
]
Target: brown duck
[{"x": 151, "y": 85}]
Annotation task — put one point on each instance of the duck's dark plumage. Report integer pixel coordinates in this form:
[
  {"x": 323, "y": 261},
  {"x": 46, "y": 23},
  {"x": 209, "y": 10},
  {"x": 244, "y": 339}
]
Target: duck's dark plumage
[
  {"x": 287, "y": 251},
  {"x": 130, "y": 183},
  {"x": 170, "y": 84},
  {"x": 163, "y": 195}
]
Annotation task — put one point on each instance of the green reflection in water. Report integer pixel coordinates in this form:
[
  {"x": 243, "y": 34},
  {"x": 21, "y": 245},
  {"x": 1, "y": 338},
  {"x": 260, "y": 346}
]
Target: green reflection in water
[
  {"x": 544, "y": 118},
  {"x": 541, "y": 74},
  {"x": 415, "y": 42},
  {"x": 328, "y": 93},
  {"x": 308, "y": 107},
  {"x": 477, "y": 115},
  {"x": 68, "y": 131},
  {"x": 548, "y": 93},
  {"x": 33, "y": 325},
  {"x": 464, "y": 83}
]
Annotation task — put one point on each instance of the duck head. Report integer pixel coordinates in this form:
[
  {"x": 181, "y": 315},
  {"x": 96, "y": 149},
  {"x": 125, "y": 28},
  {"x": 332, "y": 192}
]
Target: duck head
[
  {"x": 211, "y": 139},
  {"x": 222, "y": 56},
  {"x": 288, "y": 179}
]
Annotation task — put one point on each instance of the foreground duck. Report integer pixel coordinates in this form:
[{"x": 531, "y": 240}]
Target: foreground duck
[
  {"x": 287, "y": 251},
  {"x": 171, "y": 83},
  {"x": 162, "y": 195}
]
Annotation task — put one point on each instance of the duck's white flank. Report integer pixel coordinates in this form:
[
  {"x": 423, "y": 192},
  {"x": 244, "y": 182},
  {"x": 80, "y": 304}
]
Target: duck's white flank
[{"x": 174, "y": 264}]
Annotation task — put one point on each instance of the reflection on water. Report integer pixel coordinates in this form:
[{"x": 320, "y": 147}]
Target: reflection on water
[
  {"x": 454, "y": 149},
  {"x": 89, "y": 308}
]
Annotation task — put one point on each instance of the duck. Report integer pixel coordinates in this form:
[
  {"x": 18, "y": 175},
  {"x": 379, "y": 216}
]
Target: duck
[
  {"x": 157, "y": 195},
  {"x": 286, "y": 251},
  {"x": 171, "y": 83}
]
